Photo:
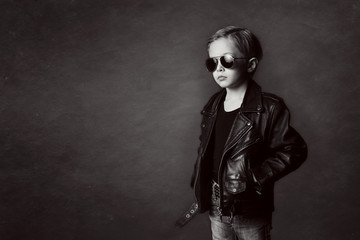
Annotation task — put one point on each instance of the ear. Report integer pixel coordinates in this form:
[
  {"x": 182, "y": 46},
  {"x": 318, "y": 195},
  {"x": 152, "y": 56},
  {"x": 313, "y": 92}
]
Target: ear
[{"x": 252, "y": 64}]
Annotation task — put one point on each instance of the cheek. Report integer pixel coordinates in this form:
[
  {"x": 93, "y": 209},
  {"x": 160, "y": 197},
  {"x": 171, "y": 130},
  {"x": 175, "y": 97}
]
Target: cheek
[
  {"x": 240, "y": 70},
  {"x": 243, "y": 68},
  {"x": 214, "y": 75},
  {"x": 235, "y": 73}
]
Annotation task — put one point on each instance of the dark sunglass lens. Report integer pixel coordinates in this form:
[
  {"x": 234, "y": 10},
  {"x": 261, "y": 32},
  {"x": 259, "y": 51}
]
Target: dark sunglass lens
[
  {"x": 227, "y": 61},
  {"x": 211, "y": 64}
]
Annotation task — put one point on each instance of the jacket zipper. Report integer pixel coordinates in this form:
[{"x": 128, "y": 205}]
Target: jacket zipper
[
  {"x": 220, "y": 208},
  {"x": 203, "y": 151}
]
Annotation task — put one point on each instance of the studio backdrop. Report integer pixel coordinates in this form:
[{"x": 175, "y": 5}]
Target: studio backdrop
[{"x": 100, "y": 114}]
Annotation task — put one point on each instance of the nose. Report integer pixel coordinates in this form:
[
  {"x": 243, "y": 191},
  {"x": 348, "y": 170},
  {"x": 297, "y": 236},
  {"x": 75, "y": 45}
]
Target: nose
[{"x": 219, "y": 67}]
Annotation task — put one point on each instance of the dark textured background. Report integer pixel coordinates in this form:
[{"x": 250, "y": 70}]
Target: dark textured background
[{"x": 100, "y": 111}]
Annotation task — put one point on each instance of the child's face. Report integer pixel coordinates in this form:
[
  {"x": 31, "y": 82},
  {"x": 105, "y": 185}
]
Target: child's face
[{"x": 228, "y": 77}]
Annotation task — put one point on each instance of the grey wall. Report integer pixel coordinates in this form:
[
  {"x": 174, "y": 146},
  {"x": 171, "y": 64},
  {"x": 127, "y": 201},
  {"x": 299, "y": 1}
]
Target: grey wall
[{"x": 100, "y": 111}]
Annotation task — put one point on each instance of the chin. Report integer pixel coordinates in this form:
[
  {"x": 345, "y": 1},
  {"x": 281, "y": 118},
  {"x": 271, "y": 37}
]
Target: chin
[
  {"x": 221, "y": 83},
  {"x": 224, "y": 85}
]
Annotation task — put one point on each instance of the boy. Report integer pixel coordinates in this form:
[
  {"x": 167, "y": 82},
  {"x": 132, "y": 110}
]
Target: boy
[{"x": 246, "y": 143}]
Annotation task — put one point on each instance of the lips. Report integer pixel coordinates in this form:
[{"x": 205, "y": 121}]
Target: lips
[{"x": 221, "y": 78}]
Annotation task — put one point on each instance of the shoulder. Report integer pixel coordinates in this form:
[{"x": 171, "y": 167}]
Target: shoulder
[
  {"x": 274, "y": 104},
  {"x": 272, "y": 101},
  {"x": 270, "y": 97}
]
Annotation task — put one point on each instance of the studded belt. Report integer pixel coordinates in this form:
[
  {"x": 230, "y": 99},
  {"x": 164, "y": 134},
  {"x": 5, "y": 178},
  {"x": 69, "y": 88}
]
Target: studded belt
[{"x": 193, "y": 210}]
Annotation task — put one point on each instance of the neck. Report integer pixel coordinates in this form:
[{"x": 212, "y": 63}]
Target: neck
[{"x": 237, "y": 92}]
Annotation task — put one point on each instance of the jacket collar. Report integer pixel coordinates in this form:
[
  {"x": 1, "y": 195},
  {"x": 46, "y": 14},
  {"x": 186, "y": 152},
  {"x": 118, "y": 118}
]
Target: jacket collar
[{"x": 252, "y": 99}]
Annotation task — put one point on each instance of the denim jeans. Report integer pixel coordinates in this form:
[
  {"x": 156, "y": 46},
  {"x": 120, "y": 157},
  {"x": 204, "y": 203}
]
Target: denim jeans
[{"x": 238, "y": 227}]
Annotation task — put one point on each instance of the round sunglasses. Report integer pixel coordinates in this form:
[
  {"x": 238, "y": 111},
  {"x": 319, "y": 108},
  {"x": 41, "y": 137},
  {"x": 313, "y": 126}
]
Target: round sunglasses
[{"x": 227, "y": 61}]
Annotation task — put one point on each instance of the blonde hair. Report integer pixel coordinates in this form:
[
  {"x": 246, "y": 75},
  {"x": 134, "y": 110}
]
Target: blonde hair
[{"x": 244, "y": 39}]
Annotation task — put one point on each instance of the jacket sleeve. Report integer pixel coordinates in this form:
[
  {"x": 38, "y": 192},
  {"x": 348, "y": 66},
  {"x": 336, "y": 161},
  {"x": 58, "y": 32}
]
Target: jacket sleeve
[{"x": 286, "y": 148}]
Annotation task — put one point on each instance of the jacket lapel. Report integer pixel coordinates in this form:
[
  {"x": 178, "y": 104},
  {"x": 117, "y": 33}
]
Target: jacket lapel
[
  {"x": 239, "y": 128},
  {"x": 252, "y": 104}
]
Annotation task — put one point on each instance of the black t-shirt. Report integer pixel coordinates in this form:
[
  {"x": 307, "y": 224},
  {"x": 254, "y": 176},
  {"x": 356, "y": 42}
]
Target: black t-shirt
[{"x": 223, "y": 124}]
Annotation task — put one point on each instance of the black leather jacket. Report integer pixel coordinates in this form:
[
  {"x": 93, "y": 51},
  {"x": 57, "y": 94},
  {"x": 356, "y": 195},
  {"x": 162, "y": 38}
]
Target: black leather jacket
[{"x": 261, "y": 148}]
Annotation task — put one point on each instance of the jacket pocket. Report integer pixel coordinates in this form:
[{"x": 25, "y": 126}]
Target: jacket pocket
[{"x": 235, "y": 186}]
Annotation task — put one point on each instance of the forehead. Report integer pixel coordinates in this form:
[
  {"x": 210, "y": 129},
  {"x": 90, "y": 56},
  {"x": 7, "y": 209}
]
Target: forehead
[{"x": 223, "y": 45}]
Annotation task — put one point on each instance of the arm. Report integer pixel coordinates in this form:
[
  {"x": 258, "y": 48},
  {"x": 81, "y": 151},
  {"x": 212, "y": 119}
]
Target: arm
[{"x": 287, "y": 149}]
